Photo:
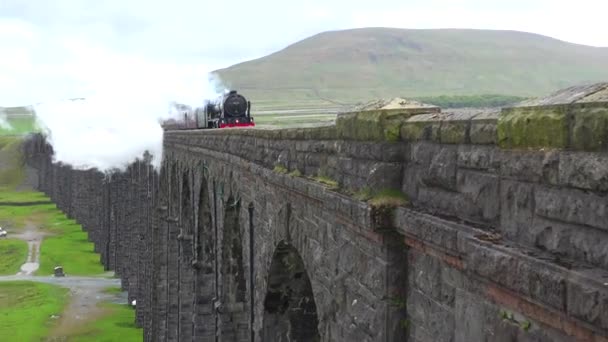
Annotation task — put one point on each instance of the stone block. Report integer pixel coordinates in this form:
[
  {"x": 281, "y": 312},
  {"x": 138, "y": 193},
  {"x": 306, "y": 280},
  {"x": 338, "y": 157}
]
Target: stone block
[
  {"x": 530, "y": 166},
  {"x": 479, "y": 157},
  {"x": 480, "y": 192},
  {"x": 436, "y": 319},
  {"x": 572, "y": 206},
  {"x": 375, "y": 125},
  {"x": 469, "y": 317},
  {"x": 455, "y": 127},
  {"x": 589, "y": 128},
  {"x": 483, "y": 128},
  {"x": 573, "y": 243},
  {"x": 588, "y": 171},
  {"x": 442, "y": 169},
  {"x": 421, "y": 127},
  {"x": 533, "y": 127},
  {"x": 588, "y": 302}
]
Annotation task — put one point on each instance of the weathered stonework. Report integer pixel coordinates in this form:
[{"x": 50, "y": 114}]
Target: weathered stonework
[{"x": 498, "y": 242}]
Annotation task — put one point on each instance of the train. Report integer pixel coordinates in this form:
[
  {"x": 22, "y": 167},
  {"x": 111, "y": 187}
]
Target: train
[{"x": 229, "y": 110}]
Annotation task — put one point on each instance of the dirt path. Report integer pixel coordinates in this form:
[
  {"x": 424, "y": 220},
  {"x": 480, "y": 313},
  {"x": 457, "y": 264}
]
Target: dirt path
[
  {"x": 33, "y": 237},
  {"x": 85, "y": 292}
]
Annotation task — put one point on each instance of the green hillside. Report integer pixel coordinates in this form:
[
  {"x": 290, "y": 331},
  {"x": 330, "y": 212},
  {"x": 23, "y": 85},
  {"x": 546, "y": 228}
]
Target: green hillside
[{"x": 355, "y": 65}]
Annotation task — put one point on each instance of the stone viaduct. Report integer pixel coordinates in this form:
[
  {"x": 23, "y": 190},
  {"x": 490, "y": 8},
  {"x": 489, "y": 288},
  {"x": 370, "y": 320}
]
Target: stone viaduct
[{"x": 408, "y": 224}]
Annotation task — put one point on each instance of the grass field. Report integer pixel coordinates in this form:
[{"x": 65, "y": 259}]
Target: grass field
[
  {"x": 117, "y": 324},
  {"x": 14, "y": 218},
  {"x": 13, "y": 253},
  {"x": 26, "y": 309},
  {"x": 22, "y": 196},
  {"x": 68, "y": 247}
]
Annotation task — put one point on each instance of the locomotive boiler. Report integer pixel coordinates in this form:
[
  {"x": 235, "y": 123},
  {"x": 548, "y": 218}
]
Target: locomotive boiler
[{"x": 229, "y": 110}]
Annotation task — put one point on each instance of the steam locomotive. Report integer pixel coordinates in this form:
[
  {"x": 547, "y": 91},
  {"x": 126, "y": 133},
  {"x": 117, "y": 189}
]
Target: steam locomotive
[{"x": 229, "y": 110}]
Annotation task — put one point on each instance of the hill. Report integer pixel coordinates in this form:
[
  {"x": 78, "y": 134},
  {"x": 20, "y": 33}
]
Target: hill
[{"x": 360, "y": 64}]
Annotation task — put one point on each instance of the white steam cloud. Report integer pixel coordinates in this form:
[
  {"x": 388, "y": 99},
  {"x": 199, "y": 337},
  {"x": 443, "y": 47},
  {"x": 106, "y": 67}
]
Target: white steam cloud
[
  {"x": 122, "y": 94},
  {"x": 124, "y": 101},
  {"x": 4, "y": 124}
]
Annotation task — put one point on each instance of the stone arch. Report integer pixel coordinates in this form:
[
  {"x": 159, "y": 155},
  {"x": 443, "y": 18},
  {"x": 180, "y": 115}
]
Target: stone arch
[
  {"x": 290, "y": 311},
  {"x": 185, "y": 273},
  {"x": 204, "y": 265},
  {"x": 234, "y": 288}
]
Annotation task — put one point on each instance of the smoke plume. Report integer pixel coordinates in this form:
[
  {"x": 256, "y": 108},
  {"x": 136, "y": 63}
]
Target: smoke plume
[
  {"x": 4, "y": 124},
  {"x": 119, "y": 118}
]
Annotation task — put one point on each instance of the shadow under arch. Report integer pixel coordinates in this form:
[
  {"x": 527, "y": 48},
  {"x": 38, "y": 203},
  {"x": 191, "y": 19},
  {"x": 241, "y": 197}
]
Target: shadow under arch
[{"x": 290, "y": 312}]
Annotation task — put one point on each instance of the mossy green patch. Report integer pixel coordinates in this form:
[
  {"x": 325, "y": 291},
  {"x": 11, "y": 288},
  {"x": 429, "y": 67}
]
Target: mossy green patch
[
  {"x": 295, "y": 173},
  {"x": 590, "y": 128},
  {"x": 117, "y": 324},
  {"x": 330, "y": 183},
  {"x": 388, "y": 197},
  {"x": 453, "y": 132},
  {"x": 26, "y": 309},
  {"x": 280, "y": 169},
  {"x": 378, "y": 125},
  {"x": 13, "y": 254},
  {"x": 533, "y": 127}
]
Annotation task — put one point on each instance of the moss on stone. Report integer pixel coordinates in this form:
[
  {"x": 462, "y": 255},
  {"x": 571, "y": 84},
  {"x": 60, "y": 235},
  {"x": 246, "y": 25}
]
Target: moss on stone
[
  {"x": 453, "y": 132},
  {"x": 589, "y": 129},
  {"x": 379, "y": 125},
  {"x": 534, "y": 127},
  {"x": 280, "y": 169},
  {"x": 388, "y": 198},
  {"x": 330, "y": 183},
  {"x": 413, "y": 131}
]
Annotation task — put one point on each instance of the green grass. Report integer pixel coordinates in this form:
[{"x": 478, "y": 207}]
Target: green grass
[
  {"x": 13, "y": 254},
  {"x": 26, "y": 309},
  {"x": 118, "y": 324},
  {"x": 384, "y": 197},
  {"x": 388, "y": 197},
  {"x": 68, "y": 247},
  {"x": 14, "y": 218},
  {"x": 22, "y": 196},
  {"x": 330, "y": 183},
  {"x": 113, "y": 290}
]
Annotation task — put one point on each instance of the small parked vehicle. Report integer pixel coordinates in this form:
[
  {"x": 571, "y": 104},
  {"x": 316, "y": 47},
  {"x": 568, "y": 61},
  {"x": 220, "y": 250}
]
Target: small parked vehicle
[{"x": 2, "y": 232}]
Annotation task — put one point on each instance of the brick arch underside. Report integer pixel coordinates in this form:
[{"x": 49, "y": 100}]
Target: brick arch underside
[{"x": 290, "y": 312}]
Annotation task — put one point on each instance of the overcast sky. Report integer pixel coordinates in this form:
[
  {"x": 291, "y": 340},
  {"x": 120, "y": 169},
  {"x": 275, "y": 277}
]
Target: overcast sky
[{"x": 64, "y": 48}]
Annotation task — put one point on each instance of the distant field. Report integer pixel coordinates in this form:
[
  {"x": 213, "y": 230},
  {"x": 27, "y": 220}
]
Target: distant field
[{"x": 293, "y": 120}]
